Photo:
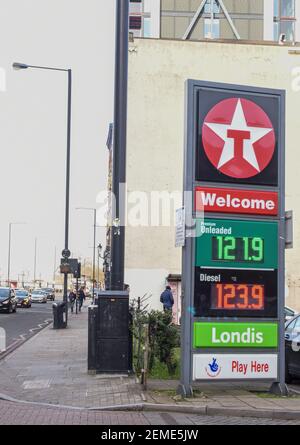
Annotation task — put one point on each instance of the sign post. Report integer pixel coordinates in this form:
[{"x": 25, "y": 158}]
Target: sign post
[{"x": 233, "y": 259}]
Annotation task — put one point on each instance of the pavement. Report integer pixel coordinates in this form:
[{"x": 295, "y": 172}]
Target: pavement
[
  {"x": 19, "y": 414},
  {"x": 49, "y": 371}
]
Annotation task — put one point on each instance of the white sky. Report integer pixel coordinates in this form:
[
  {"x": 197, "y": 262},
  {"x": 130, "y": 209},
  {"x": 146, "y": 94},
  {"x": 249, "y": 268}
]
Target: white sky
[{"x": 77, "y": 34}]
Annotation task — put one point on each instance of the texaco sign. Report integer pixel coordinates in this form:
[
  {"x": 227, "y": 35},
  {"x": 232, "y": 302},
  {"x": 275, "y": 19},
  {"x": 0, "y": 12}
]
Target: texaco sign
[{"x": 238, "y": 140}]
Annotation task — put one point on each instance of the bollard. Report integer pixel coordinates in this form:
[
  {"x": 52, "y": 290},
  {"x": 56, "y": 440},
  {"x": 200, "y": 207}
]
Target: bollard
[{"x": 92, "y": 339}]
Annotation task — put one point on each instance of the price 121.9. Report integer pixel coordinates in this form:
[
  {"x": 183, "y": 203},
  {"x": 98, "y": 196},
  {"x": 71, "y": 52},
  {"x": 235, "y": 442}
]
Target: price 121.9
[{"x": 242, "y": 249}]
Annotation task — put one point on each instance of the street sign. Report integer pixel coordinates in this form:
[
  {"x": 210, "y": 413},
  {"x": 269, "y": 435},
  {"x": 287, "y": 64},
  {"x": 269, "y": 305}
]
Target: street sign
[
  {"x": 66, "y": 253},
  {"x": 233, "y": 267}
]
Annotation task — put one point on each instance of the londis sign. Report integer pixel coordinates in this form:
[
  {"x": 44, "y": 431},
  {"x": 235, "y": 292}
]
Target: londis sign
[
  {"x": 235, "y": 335},
  {"x": 222, "y": 200}
]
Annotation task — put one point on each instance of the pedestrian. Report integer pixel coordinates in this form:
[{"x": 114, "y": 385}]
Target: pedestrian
[
  {"x": 81, "y": 297},
  {"x": 72, "y": 299},
  {"x": 167, "y": 299}
]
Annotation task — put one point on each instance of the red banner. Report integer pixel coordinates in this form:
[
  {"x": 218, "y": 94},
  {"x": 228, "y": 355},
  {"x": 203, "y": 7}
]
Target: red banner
[{"x": 223, "y": 200}]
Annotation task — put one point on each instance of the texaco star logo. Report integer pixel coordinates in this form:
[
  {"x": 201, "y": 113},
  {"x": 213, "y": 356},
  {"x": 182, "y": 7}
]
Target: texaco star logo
[{"x": 238, "y": 138}]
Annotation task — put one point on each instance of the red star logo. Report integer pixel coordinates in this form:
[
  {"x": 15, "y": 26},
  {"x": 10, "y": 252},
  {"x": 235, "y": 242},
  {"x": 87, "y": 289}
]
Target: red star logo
[{"x": 238, "y": 138}]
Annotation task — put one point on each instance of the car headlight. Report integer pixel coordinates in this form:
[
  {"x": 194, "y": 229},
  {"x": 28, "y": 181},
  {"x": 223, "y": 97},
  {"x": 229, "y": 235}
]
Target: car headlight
[{"x": 5, "y": 301}]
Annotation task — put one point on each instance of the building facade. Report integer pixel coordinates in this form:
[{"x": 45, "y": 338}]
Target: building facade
[
  {"x": 144, "y": 18},
  {"x": 158, "y": 70},
  {"x": 231, "y": 19}
]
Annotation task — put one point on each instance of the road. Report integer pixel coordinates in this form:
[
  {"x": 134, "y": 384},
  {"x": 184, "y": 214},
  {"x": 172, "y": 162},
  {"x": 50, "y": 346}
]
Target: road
[
  {"x": 25, "y": 323},
  {"x": 12, "y": 413}
]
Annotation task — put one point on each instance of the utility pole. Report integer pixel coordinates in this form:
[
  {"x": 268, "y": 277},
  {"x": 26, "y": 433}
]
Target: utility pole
[
  {"x": 34, "y": 267},
  {"x": 119, "y": 147},
  {"x": 54, "y": 266}
]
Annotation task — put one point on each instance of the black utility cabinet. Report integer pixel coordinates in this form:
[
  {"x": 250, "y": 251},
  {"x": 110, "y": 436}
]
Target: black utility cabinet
[{"x": 110, "y": 339}]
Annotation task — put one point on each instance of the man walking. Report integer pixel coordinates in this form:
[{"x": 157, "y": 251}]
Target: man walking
[
  {"x": 72, "y": 299},
  {"x": 167, "y": 299}
]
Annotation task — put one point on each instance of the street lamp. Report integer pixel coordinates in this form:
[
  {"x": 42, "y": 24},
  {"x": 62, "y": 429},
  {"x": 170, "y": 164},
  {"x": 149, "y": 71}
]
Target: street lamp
[
  {"x": 94, "y": 244},
  {"x": 66, "y": 253},
  {"x": 9, "y": 248}
]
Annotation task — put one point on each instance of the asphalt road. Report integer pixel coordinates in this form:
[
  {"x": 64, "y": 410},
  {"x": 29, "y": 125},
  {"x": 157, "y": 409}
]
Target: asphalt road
[{"x": 25, "y": 322}]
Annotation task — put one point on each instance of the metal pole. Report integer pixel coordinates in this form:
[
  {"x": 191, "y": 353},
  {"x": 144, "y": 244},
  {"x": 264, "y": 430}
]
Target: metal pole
[
  {"x": 9, "y": 253},
  {"x": 119, "y": 150},
  {"x": 94, "y": 252},
  {"x": 98, "y": 275},
  {"x": 67, "y": 211},
  {"x": 34, "y": 268},
  {"x": 54, "y": 266}
]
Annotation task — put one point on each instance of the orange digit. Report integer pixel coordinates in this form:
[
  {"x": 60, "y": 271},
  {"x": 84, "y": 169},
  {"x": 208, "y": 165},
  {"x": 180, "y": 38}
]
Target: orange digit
[
  {"x": 244, "y": 295},
  {"x": 229, "y": 295},
  {"x": 258, "y": 295},
  {"x": 220, "y": 296}
]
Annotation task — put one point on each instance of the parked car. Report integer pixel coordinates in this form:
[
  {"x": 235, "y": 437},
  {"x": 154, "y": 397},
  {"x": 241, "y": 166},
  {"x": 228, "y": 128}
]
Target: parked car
[
  {"x": 292, "y": 348},
  {"x": 289, "y": 313},
  {"x": 50, "y": 292},
  {"x": 8, "y": 300},
  {"x": 38, "y": 296},
  {"x": 23, "y": 298}
]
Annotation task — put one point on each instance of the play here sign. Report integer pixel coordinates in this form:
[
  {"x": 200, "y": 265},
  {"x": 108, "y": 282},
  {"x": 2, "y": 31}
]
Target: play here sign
[
  {"x": 234, "y": 366},
  {"x": 225, "y": 200}
]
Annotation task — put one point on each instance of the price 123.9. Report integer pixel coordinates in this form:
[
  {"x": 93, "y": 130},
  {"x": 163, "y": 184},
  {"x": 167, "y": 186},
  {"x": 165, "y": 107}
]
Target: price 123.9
[{"x": 238, "y": 296}]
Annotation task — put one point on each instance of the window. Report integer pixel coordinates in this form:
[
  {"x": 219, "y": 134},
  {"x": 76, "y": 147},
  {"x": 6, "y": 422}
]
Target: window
[
  {"x": 207, "y": 7},
  {"x": 147, "y": 27},
  {"x": 212, "y": 30},
  {"x": 287, "y": 8},
  {"x": 135, "y": 22},
  {"x": 284, "y": 19}
]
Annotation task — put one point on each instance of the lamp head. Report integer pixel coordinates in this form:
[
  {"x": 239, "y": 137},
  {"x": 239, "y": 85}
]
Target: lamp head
[{"x": 20, "y": 66}]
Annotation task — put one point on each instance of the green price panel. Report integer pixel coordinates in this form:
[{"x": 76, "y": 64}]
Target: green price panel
[{"x": 232, "y": 243}]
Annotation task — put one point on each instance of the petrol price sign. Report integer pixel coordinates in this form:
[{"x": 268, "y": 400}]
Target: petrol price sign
[
  {"x": 234, "y": 243},
  {"x": 235, "y": 293},
  {"x": 233, "y": 265}
]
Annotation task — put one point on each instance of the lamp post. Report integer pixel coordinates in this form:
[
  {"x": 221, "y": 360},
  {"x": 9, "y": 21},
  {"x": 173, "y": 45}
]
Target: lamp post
[
  {"x": 119, "y": 147},
  {"x": 9, "y": 248},
  {"x": 94, "y": 243},
  {"x": 65, "y": 253}
]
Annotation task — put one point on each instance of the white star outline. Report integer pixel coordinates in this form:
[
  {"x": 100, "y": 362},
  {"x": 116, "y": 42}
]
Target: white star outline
[{"x": 238, "y": 123}]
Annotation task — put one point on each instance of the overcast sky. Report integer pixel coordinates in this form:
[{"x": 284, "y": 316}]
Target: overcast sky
[{"x": 77, "y": 34}]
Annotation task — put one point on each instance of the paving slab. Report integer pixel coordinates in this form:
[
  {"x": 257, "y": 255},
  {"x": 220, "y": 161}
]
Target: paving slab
[{"x": 52, "y": 368}]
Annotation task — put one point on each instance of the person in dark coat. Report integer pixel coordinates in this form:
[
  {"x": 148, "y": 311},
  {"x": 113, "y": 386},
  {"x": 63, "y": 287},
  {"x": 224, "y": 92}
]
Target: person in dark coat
[
  {"x": 167, "y": 299},
  {"x": 72, "y": 299},
  {"x": 81, "y": 298}
]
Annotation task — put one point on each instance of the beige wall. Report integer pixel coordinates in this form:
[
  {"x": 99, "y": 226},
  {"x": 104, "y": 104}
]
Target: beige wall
[{"x": 158, "y": 71}]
